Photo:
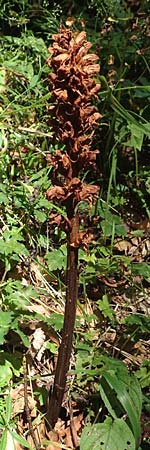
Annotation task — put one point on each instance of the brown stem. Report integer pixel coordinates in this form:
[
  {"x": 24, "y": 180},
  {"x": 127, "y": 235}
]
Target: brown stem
[{"x": 69, "y": 321}]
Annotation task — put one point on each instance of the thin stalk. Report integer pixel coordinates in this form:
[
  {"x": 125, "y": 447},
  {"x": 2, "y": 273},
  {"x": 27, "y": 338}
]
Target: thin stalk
[{"x": 65, "y": 349}]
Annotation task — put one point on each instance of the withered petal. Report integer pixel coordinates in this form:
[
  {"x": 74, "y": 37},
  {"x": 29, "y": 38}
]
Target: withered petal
[
  {"x": 75, "y": 183},
  {"x": 61, "y": 94},
  {"x": 55, "y": 193},
  {"x": 81, "y": 52},
  {"x": 95, "y": 89},
  {"x": 61, "y": 58},
  {"x": 90, "y": 58},
  {"x": 80, "y": 38},
  {"x": 96, "y": 116},
  {"x": 89, "y": 193},
  {"x": 92, "y": 70}
]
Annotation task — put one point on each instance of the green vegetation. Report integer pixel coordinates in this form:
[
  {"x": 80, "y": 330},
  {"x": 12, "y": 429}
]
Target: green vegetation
[{"x": 106, "y": 403}]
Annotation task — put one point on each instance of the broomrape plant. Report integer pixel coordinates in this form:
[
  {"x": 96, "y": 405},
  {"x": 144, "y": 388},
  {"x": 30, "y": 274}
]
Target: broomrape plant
[{"x": 74, "y": 118}]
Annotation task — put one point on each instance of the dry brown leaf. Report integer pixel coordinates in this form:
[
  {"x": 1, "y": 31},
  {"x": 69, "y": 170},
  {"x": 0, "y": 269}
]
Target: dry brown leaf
[
  {"x": 17, "y": 395},
  {"x": 39, "y": 309},
  {"x": 109, "y": 337},
  {"x": 122, "y": 245},
  {"x": 54, "y": 438},
  {"x": 73, "y": 430},
  {"x": 38, "y": 338}
]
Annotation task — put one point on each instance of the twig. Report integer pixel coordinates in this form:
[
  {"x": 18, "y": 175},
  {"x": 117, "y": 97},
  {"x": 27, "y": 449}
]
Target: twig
[
  {"x": 33, "y": 131},
  {"x": 28, "y": 130}
]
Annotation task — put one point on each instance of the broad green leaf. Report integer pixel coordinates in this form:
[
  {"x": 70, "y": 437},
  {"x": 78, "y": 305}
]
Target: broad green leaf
[
  {"x": 40, "y": 215},
  {"x": 109, "y": 399},
  {"x": 4, "y": 198},
  {"x": 110, "y": 222},
  {"x": 109, "y": 435},
  {"x": 115, "y": 365},
  {"x": 52, "y": 347},
  {"x": 39, "y": 178},
  {"x": 137, "y": 136},
  {"x": 19, "y": 296},
  {"x": 142, "y": 269},
  {"x": 57, "y": 259},
  {"x": 129, "y": 395},
  {"x": 143, "y": 90},
  {"x": 56, "y": 320},
  {"x": 139, "y": 322},
  {"x": 5, "y": 375},
  {"x": 44, "y": 203},
  {"x": 12, "y": 360},
  {"x": 143, "y": 375},
  {"x": 10, "y": 243},
  {"x": 105, "y": 307},
  {"x": 5, "y": 321}
]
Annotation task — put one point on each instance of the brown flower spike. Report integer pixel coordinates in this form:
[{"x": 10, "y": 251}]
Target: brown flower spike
[{"x": 74, "y": 119}]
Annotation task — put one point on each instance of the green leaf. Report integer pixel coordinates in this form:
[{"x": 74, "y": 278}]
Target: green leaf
[
  {"x": 144, "y": 128},
  {"x": 138, "y": 322},
  {"x": 129, "y": 395},
  {"x": 143, "y": 376},
  {"x": 52, "y": 347},
  {"x": 8, "y": 408},
  {"x": 142, "y": 269},
  {"x": 5, "y": 374},
  {"x": 109, "y": 435},
  {"x": 40, "y": 215},
  {"x": 5, "y": 321},
  {"x": 105, "y": 307},
  {"x": 2, "y": 79},
  {"x": 137, "y": 136},
  {"x": 3, "y": 440},
  {"x": 10, "y": 243},
  {"x": 34, "y": 81},
  {"x": 56, "y": 320},
  {"x": 112, "y": 222},
  {"x": 18, "y": 296},
  {"x": 20, "y": 333},
  {"x": 57, "y": 259},
  {"x": 39, "y": 178},
  {"x": 44, "y": 203},
  {"x": 14, "y": 361},
  {"x": 109, "y": 399},
  {"x": 20, "y": 439},
  {"x": 4, "y": 198}
]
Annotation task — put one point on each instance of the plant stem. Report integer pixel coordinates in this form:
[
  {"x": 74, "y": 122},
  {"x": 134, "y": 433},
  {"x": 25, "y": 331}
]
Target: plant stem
[{"x": 69, "y": 321}]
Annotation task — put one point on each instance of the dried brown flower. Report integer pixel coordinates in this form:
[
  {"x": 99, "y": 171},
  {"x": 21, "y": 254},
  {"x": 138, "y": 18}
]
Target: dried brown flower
[
  {"x": 73, "y": 88},
  {"x": 73, "y": 117}
]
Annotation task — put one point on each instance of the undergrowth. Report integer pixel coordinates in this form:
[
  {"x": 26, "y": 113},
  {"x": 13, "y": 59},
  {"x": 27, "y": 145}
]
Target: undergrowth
[{"x": 107, "y": 392}]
